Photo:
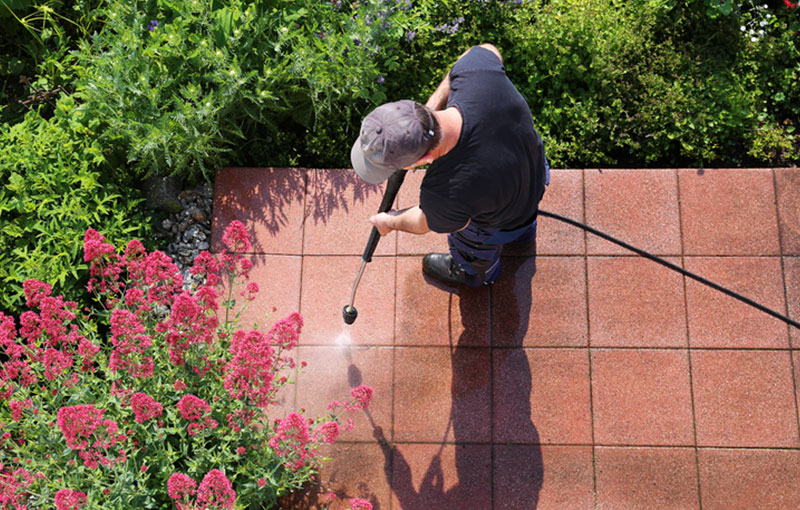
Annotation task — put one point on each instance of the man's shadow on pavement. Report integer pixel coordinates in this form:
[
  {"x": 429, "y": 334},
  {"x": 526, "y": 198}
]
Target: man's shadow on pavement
[{"x": 516, "y": 471}]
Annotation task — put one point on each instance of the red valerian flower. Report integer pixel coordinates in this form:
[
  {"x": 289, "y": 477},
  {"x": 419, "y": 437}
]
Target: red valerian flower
[
  {"x": 329, "y": 431},
  {"x": 292, "y": 440},
  {"x": 145, "y": 407},
  {"x": 89, "y": 434},
  {"x": 68, "y": 499},
  {"x": 360, "y": 504},
  {"x": 250, "y": 372},
  {"x": 14, "y": 488},
  {"x": 17, "y": 406},
  {"x": 192, "y": 407},
  {"x": 236, "y": 237},
  {"x": 362, "y": 395},
  {"x": 181, "y": 488},
  {"x": 130, "y": 341},
  {"x": 216, "y": 492},
  {"x": 789, "y": 4},
  {"x": 35, "y": 291}
]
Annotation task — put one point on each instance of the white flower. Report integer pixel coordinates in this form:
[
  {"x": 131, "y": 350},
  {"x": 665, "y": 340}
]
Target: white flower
[
  {"x": 760, "y": 32},
  {"x": 753, "y": 39},
  {"x": 763, "y": 23},
  {"x": 743, "y": 28}
]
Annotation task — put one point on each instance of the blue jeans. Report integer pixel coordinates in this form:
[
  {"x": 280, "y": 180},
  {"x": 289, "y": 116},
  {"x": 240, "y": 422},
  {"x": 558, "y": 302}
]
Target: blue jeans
[{"x": 477, "y": 249}]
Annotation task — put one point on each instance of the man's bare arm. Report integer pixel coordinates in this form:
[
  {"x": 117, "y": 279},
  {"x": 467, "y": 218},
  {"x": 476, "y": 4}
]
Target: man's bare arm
[
  {"x": 438, "y": 99},
  {"x": 411, "y": 220}
]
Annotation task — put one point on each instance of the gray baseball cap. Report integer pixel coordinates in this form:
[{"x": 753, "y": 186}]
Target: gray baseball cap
[{"x": 392, "y": 137}]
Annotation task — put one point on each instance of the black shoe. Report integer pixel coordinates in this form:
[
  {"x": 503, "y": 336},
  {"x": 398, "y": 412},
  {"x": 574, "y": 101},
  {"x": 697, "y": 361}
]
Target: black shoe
[{"x": 440, "y": 266}]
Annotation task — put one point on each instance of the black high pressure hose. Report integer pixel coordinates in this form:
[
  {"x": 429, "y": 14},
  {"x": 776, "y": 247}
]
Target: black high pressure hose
[{"x": 670, "y": 266}]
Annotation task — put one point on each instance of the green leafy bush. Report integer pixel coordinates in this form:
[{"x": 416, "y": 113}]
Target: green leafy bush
[
  {"x": 631, "y": 83},
  {"x": 177, "y": 86},
  {"x": 53, "y": 188}
]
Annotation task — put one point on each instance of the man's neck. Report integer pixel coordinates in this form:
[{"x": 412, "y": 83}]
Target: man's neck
[{"x": 450, "y": 122}]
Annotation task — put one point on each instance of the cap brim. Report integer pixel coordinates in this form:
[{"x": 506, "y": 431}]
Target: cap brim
[{"x": 365, "y": 169}]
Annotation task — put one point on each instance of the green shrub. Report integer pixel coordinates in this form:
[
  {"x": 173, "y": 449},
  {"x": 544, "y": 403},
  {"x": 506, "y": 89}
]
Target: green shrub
[
  {"x": 53, "y": 190},
  {"x": 177, "y": 86},
  {"x": 630, "y": 83}
]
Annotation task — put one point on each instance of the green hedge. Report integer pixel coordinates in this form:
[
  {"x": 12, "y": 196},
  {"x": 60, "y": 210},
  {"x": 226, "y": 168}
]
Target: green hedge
[{"x": 641, "y": 83}]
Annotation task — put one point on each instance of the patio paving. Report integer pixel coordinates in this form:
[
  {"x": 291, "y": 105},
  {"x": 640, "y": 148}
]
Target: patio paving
[{"x": 585, "y": 378}]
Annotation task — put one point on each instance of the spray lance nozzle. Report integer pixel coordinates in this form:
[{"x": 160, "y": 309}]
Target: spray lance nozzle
[{"x": 349, "y": 313}]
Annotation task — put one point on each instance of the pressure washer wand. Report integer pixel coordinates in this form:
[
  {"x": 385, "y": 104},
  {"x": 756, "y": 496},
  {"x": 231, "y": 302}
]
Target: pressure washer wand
[{"x": 349, "y": 312}]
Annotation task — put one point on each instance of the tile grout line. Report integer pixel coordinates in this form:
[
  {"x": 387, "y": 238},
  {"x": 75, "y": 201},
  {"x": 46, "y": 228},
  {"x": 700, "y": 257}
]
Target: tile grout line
[
  {"x": 302, "y": 258},
  {"x": 586, "y": 445},
  {"x": 786, "y": 298},
  {"x": 394, "y": 361},
  {"x": 589, "y": 336},
  {"x": 688, "y": 343},
  {"x": 491, "y": 397}
]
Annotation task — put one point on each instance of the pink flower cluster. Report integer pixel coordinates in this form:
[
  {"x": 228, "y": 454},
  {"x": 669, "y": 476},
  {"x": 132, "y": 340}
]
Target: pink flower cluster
[
  {"x": 45, "y": 339},
  {"x": 89, "y": 434},
  {"x": 214, "y": 492},
  {"x": 292, "y": 440},
  {"x": 362, "y": 395},
  {"x": 17, "y": 406},
  {"x": 250, "y": 372},
  {"x": 145, "y": 407},
  {"x": 131, "y": 342},
  {"x": 194, "y": 409},
  {"x": 14, "y": 488},
  {"x": 360, "y": 504},
  {"x": 67, "y": 499},
  {"x": 190, "y": 322}
]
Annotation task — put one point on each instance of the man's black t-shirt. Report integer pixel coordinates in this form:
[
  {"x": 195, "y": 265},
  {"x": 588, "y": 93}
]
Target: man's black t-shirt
[{"x": 494, "y": 176}]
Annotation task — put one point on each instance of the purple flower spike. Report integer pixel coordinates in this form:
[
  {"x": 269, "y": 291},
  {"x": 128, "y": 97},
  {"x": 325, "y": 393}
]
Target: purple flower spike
[
  {"x": 380, "y": 79},
  {"x": 153, "y": 25}
]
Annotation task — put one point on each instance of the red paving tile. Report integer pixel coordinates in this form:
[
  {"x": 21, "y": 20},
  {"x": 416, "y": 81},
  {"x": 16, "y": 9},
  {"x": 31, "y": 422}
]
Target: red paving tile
[
  {"x": 651, "y": 478},
  {"x": 488, "y": 398},
  {"x": 332, "y": 372},
  {"x": 641, "y": 397},
  {"x": 337, "y": 213},
  {"x": 791, "y": 268},
  {"x": 633, "y": 302},
  {"x": 443, "y": 476},
  {"x": 447, "y": 398},
  {"x": 269, "y": 201},
  {"x": 728, "y": 212},
  {"x": 544, "y": 477},
  {"x": 638, "y": 207},
  {"x": 744, "y": 398},
  {"x": 744, "y": 479},
  {"x": 326, "y": 289},
  {"x": 564, "y": 196},
  {"x": 787, "y": 182},
  {"x": 547, "y": 309},
  {"x": 717, "y": 320},
  {"x": 542, "y": 396},
  {"x": 428, "y": 315}
]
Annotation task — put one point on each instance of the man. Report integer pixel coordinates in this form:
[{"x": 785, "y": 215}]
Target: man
[{"x": 487, "y": 170}]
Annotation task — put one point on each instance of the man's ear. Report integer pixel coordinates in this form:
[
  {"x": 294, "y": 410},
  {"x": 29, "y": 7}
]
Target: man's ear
[{"x": 426, "y": 159}]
